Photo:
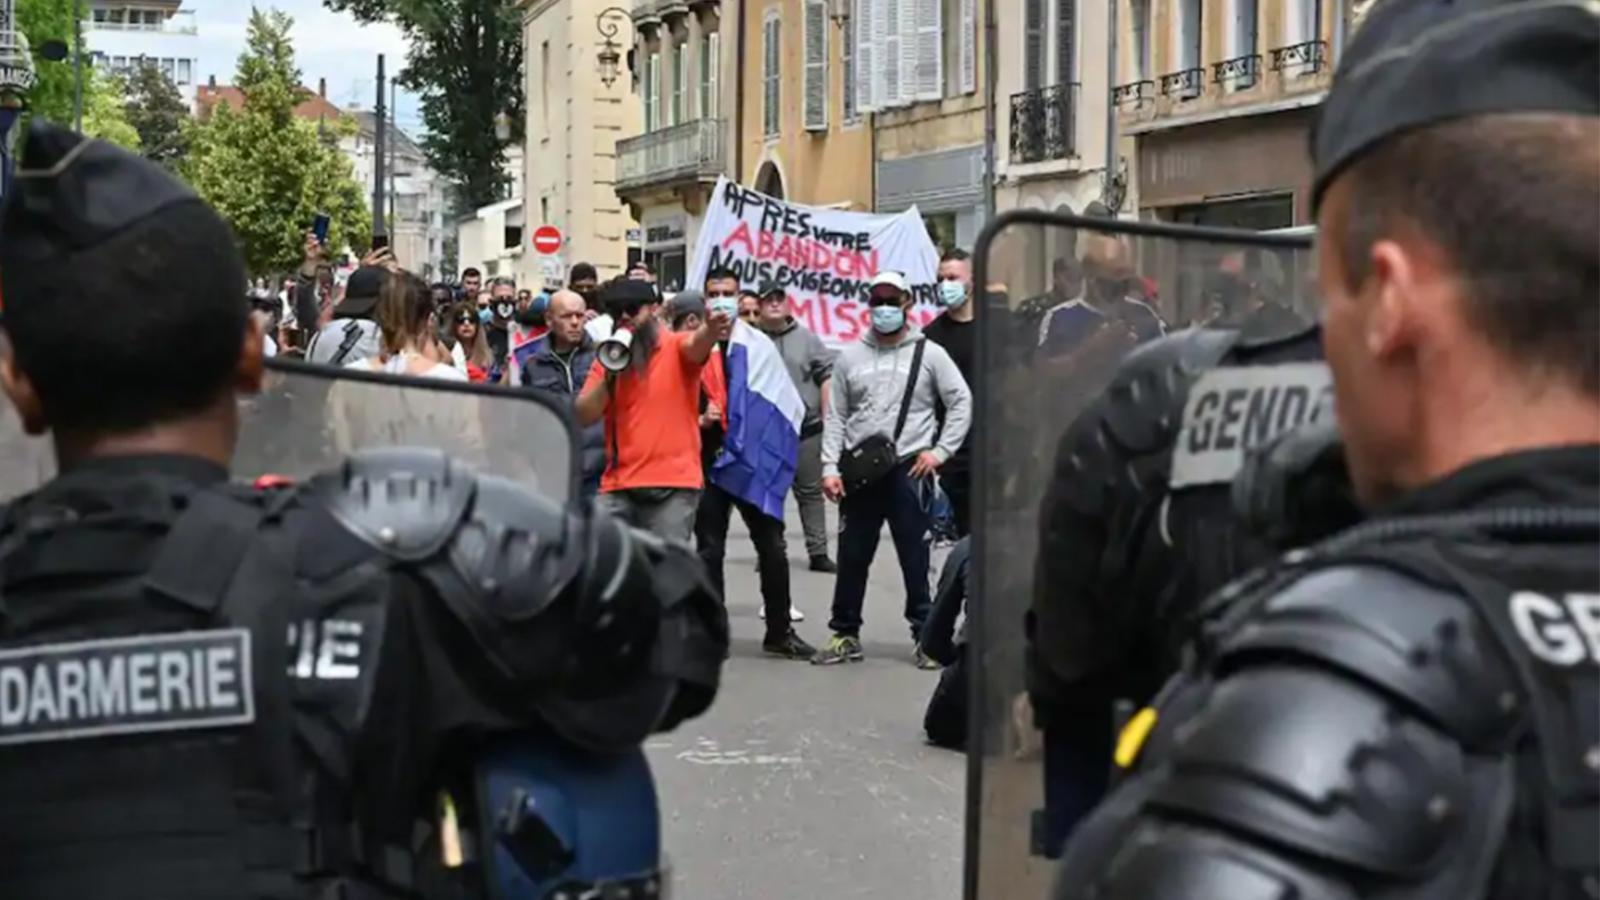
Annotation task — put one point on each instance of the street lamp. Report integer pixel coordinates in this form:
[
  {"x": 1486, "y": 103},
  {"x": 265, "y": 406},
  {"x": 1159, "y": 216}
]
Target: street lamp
[{"x": 610, "y": 55}]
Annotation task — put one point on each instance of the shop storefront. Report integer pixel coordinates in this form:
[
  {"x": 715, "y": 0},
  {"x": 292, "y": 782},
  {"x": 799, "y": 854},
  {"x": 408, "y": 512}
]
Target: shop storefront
[
  {"x": 946, "y": 187},
  {"x": 1249, "y": 172},
  {"x": 666, "y": 249}
]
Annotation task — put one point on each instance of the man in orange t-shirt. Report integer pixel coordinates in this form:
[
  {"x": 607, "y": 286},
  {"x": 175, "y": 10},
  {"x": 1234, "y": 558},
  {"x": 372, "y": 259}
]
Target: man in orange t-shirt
[{"x": 651, "y": 411}]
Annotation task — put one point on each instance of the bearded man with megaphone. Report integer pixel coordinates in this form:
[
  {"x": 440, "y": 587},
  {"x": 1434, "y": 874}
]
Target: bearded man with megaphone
[{"x": 645, "y": 385}]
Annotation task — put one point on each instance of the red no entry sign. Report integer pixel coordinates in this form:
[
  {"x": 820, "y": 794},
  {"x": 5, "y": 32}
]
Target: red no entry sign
[{"x": 547, "y": 239}]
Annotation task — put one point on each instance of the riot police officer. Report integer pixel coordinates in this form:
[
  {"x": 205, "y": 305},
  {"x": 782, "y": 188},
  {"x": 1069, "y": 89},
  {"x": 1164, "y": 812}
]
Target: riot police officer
[
  {"x": 1407, "y": 709},
  {"x": 1136, "y": 527},
  {"x": 159, "y": 737}
]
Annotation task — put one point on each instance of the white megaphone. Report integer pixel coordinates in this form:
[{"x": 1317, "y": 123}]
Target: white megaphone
[{"x": 616, "y": 351}]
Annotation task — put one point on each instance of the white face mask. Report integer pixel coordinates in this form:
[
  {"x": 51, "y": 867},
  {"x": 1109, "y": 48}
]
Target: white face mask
[{"x": 952, "y": 293}]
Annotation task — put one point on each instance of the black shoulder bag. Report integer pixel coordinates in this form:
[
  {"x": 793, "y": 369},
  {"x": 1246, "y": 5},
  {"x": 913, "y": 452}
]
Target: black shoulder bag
[{"x": 876, "y": 456}]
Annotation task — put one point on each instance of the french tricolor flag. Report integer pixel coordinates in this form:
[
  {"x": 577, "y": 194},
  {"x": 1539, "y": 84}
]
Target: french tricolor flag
[{"x": 763, "y": 415}]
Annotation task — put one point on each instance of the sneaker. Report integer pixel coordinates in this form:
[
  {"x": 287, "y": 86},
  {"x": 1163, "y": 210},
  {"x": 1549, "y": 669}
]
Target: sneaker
[
  {"x": 924, "y": 661},
  {"x": 790, "y": 646},
  {"x": 795, "y": 615},
  {"x": 821, "y": 563},
  {"x": 842, "y": 648}
]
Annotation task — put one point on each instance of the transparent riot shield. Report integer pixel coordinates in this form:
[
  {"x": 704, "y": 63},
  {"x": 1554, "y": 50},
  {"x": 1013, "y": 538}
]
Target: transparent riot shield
[
  {"x": 308, "y": 418},
  {"x": 1068, "y": 298}
]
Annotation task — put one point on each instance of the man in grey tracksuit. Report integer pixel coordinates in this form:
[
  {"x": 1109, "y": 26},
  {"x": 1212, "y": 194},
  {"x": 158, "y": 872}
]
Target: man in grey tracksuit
[
  {"x": 865, "y": 397},
  {"x": 810, "y": 365}
]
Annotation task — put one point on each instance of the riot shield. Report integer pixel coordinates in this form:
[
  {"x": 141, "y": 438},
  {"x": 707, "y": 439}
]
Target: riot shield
[
  {"x": 309, "y": 417},
  {"x": 1068, "y": 299}
]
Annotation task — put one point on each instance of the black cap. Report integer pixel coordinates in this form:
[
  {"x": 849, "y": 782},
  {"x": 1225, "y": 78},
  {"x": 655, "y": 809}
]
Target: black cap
[
  {"x": 361, "y": 293},
  {"x": 1415, "y": 63},
  {"x": 71, "y": 193},
  {"x": 769, "y": 287},
  {"x": 624, "y": 297}
]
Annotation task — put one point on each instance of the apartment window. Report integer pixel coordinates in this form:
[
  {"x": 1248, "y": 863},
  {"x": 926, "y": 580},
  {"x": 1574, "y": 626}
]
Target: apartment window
[
  {"x": 544, "y": 90},
  {"x": 169, "y": 68},
  {"x": 98, "y": 15},
  {"x": 710, "y": 64},
  {"x": 680, "y": 82},
  {"x": 1304, "y": 22},
  {"x": 815, "y": 99},
  {"x": 847, "y": 56},
  {"x": 1189, "y": 19},
  {"x": 1242, "y": 41},
  {"x": 650, "y": 89},
  {"x": 1141, "y": 40},
  {"x": 1049, "y": 35},
  {"x": 185, "y": 71},
  {"x": 771, "y": 115}
]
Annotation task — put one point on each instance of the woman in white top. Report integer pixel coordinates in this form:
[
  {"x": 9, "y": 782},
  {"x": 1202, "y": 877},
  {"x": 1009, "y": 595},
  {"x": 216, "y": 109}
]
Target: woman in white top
[
  {"x": 410, "y": 343},
  {"x": 363, "y": 414}
]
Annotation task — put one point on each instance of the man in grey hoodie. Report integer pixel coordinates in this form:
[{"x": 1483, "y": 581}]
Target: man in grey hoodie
[
  {"x": 810, "y": 365},
  {"x": 868, "y": 388}
]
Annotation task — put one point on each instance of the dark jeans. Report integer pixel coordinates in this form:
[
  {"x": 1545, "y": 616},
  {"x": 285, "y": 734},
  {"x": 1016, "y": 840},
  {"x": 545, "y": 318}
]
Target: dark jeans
[
  {"x": 711, "y": 540},
  {"x": 862, "y": 513},
  {"x": 955, "y": 476}
]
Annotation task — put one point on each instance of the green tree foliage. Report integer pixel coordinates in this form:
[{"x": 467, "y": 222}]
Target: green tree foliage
[
  {"x": 51, "y": 98},
  {"x": 157, "y": 112},
  {"x": 466, "y": 63},
  {"x": 266, "y": 171}
]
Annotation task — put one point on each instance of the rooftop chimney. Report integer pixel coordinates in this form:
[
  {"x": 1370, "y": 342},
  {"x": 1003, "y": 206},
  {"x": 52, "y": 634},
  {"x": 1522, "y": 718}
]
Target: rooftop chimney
[
  {"x": 322, "y": 88},
  {"x": 211, "y": 81}
]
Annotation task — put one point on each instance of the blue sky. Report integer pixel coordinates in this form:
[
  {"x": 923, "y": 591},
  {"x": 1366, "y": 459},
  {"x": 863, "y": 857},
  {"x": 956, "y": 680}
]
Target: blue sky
[{"x": 327, "y": 45}]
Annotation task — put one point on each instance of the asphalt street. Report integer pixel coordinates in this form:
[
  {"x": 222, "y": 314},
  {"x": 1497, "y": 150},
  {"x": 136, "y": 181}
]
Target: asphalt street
[{"x": 807, "y": 782}]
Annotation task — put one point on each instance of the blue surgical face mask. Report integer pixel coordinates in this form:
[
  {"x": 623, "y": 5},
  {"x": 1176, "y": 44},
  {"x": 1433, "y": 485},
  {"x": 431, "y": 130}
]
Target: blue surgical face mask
[
  {"x": 485, "y": 315},
  {"x": 729, "y": 305},
  {"x": 888, "y": 319},
  {"x": 952, "y": 293}
]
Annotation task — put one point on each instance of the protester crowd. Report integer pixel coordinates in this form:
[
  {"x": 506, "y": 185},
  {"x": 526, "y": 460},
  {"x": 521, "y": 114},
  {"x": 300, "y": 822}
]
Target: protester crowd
[{"x": 720, "y": 401}]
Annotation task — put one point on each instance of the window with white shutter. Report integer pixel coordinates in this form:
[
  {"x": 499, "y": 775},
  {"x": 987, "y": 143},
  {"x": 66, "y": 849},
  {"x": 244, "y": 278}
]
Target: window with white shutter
[
  {"x": 710, "y": 66},
  {"x": 889, "y": 54},
  {"x": 867, "y": 79},
  {"x": 1066, "y": 41},
  {"x": 847, "y": 60},
  {"x": 680, "y": 83},
  {"x": 816, "y": 54},
  {"x": 1141, "y": 40},
  {"x": 929, "y": 50},
  {"x": 909, "y": 15},
  {"x": 967, "y": 47},
  {"x": 1033, "y": 50},
  {"x": 651, "y": 89},
  {"x": 772, "y": 54}
]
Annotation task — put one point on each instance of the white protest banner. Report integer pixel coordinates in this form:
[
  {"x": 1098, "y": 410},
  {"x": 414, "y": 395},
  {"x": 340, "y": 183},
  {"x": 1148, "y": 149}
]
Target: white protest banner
[{"x": 824, "y": 258}]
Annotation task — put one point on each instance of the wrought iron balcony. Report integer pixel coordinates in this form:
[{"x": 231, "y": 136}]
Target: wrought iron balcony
[
  {"x": 1135, "y": 94},
  {"x": 1241, "y": 70},
  {"x": 688, "y": 152},
  {"x": 1309, "y": 57},
  {"x": 1044, "y": 123},
  {"x": 1184, "y": 85}
]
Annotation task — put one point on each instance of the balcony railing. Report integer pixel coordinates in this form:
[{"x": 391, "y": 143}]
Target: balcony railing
[
  {"x": 1136, "y": 94},
  {"x": 692, "y": 150},
  {"x": 1183, "y": 85},
  {"x": 1044, "y": 123},
  {"x": 1241, "y": 70},
  {"x": 1309, "y": 57}
]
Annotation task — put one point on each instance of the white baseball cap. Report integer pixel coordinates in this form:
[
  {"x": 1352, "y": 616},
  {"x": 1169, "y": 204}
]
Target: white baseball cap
[{"x": 892, "y": 279}]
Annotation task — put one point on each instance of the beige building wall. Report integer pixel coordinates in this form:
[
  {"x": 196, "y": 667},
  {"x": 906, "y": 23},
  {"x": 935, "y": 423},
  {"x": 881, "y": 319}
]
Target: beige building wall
[
  {"x": 1221, "y": 135},
  {"x": 573, "y": 123},
  {"x": 824, "y": 168},
  {"x": 1075, "y": 179}
]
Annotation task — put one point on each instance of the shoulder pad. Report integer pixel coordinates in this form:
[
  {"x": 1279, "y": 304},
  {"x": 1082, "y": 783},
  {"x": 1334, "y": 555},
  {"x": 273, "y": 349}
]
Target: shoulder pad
[
  {"x": 1257, "y": 339},
  {"x": 515, "y": 549},
  {"x": 1426, "y": 648},
  {"x": 407, "y": 502},
  {"x": 1143, "y": 405}
]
